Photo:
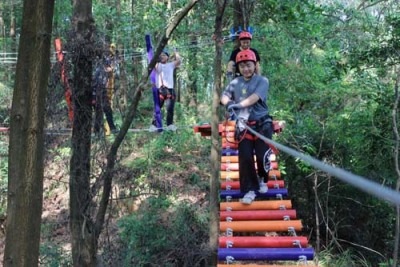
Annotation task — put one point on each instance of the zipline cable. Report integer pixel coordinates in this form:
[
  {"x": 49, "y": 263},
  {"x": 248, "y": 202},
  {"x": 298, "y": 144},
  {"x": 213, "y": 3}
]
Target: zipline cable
[{"x": 357, "y": 181}]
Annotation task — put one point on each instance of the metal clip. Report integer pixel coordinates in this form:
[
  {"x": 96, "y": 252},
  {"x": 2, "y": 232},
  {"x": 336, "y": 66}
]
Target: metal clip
[
  {"x": 229, "y": 244},
  {"x": 228, "y": 187},
  {"x": 229, "y": 232},
  {"x": 292, "y": 231},
  {"x": 229, "y": 219},
  {"x": 286, "y": 218},
  {"x": 282, "y": 207},
  {"x": 303, "y": 259},
  {"x": 297, "y": 243},
  {"x": 230, "y": 260},
  {"x": 228, "y": 198},
  {"x": 228, "y": 208},
  {"x": 279, "y": 196}
]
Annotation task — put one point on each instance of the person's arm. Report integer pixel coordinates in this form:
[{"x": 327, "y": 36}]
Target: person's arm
[
  {"x": 258, "y": 68},
  {"x": 251, "y": 100},
  {"x": 177, "y": 61},
  {"x": 225, "y": 99}
]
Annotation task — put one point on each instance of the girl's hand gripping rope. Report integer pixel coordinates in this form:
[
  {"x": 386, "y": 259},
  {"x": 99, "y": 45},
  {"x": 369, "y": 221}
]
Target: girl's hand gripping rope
[{"x": 232, "y": 106}]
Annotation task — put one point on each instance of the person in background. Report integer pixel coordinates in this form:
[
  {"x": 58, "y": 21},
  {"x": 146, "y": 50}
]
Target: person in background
[
  {"x": 101, "y": 96},
  {"x": 165, "y": 84},
  {"x": 245, "y": 43},
  {"x": 246, "y": 97}
]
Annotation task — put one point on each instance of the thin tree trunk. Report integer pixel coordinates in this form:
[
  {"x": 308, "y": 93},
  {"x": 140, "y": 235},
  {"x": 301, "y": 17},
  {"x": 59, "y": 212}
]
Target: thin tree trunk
[
  {"x": 83, "y": 237},
  {"x": 396, "y": 163},
  {"x": 215, "y": 140},
  {"x": 25, "y": 175}
]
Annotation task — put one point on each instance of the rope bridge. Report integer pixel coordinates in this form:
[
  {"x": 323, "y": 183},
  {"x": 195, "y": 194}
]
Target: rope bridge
[{"x": 266, "y": 231}]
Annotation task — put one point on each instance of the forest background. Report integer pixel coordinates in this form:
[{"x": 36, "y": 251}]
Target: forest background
[{"x": 333, "y": 71}]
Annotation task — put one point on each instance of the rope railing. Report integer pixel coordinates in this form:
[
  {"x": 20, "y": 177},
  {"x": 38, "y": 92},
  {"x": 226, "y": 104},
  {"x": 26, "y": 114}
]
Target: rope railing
[{"x": 357, "y": 181}]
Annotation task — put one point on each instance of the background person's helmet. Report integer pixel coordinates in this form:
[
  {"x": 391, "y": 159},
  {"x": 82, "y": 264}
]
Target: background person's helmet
[
  {"x": 246, "y": 55},
  {"x": 165, "y": 51},
  {"x": 245, "y": 35}
]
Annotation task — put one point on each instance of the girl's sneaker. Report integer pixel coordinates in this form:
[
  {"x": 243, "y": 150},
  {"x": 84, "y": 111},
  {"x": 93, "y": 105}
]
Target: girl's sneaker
[{"x": 249, "y": 197}]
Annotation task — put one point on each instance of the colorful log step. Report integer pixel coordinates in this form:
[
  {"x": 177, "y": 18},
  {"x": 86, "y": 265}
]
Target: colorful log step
[
  {"x": 222, "y": 128},
  {"x": 235, "y": 166},
  {"x": 229, "y": 145},
  {"x": 229, "y": 166},
  {"x": 229, "y": 159},
  {"x": 229, "y": 139},
  {"x": 256, "y": 205},
  {"x": 230, "y": 152},
  {"x": 234, "y": 185},
  {"x": 230, "y": 134},
  {"x": 274, "y": 174},
  {"x": 235, "y": 159},
  {"x": 228, "y": 123},
  {"x": 229, "y": 175},
  {"x": 263, "y": 242},
  {"x": 271, "y": 254},
  {"x": 280, "y": 192},
  {"x": 261, "y": 226},
  {"x": 250, "y": 215}
]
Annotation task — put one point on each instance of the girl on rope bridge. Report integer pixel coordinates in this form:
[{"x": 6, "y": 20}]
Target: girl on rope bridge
[{"x": 246, "y": 96}]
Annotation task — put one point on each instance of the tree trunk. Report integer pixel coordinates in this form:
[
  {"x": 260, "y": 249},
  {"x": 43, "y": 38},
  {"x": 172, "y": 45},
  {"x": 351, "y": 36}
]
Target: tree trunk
[
  {"x": 215, "y": 148},
  {"x": 25, "y": 176},
  {"x": 83, "y": 236},
  {"x": 395, "y": 111}
]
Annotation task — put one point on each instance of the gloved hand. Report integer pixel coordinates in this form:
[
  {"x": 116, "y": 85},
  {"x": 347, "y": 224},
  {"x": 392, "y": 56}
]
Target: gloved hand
[
  {"x": 231, "y": 106},
  {"x": 229, "y": 76}
]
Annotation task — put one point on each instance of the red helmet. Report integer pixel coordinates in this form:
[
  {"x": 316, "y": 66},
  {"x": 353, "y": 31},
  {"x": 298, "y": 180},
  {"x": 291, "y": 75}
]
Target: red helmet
[
  {"x": 245, "y": 55},
  {"x": 245, "y": 35}
]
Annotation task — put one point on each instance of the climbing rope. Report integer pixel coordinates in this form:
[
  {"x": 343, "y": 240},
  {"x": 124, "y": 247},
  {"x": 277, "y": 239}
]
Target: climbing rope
[{"x": 357, "y": 181}]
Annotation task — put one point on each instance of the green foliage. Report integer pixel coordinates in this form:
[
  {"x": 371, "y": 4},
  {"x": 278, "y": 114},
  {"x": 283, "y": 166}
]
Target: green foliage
[
  {"x": 52, "y": 255},
  {"x": 344, "y": 259},
  {"x": 166, "y": 232}
]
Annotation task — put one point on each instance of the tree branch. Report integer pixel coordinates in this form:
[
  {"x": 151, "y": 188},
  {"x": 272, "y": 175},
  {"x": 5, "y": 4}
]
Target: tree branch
[{"x": 112, "y": 155}]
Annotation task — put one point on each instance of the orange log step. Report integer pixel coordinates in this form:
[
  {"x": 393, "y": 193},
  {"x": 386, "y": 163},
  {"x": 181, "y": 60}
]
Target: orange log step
[
  {"x": 229, "y": 175},
  {"x": 261, "y": 226},
  {"x": 230, "y": 134},
  {"x": 229, "y": 139},
  {"x": 274, "y": 174},
  {"x": 228, "y": 123},
  {"x": 250, "y": 215},
  {"x": 257, "y": 205},
  {"x": 229, "y": 128},
  {"x": 229, "y": 159},
  {"x": 263, "y": 241},
  {"x": 234, "y": 185}
]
